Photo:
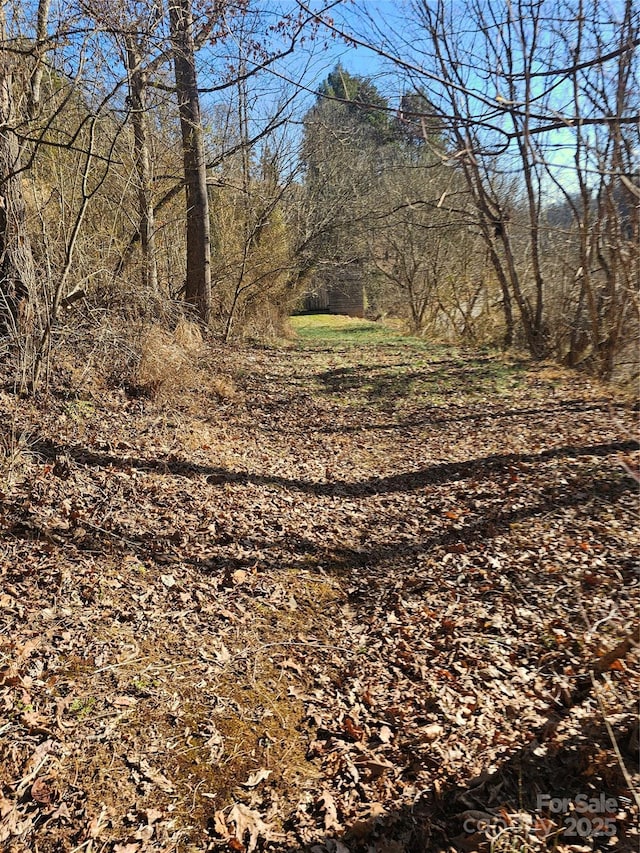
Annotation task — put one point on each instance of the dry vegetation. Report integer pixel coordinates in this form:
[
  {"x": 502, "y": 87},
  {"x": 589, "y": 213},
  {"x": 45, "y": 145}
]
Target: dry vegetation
[
  {"x": 325, "y": 597},
  {"x": 167, "y": 361}
]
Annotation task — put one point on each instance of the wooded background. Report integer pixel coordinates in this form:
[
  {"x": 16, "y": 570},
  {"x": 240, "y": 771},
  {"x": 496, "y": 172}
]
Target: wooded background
[{"x": 163, "y": 159}]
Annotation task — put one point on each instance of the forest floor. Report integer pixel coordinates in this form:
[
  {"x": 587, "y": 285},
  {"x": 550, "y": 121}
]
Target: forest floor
[{"x": 339, "y": 595}]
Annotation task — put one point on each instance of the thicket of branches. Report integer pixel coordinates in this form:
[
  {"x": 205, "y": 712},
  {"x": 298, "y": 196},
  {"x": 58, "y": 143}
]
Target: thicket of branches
[
  {"x": 152, "y": 164},
  {"x": 135, "y": 165},
  {"x": 537, "y": 106}
]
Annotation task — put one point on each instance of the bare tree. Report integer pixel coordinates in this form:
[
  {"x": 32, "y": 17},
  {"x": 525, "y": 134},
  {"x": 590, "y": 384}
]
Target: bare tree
[
  {"x": 135, "y": 50},
  {"x": 132, "y": 27},
  {"x": 38, "y": 54},
  {"x": 536, "y": 101},
  {"x": 17, "y": 273},
  {"x": 598, "y": 237},
  {"x": 414, "y": 241},
  {"x": 198, "y": 280}
]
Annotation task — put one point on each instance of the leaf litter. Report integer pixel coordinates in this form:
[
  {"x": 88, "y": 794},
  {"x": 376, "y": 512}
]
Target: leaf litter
[{"x": 354, "y": 608}]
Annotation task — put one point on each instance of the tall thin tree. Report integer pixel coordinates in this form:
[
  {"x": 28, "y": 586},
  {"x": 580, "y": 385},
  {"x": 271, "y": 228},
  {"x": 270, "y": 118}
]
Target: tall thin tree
[
  {"x": 17, "y": 273},
  {"x": 198, "y": 278}
]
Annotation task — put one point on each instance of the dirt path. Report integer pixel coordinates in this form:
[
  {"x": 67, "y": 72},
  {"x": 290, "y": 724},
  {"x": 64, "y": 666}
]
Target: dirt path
[{"x": 344, "y": 608}]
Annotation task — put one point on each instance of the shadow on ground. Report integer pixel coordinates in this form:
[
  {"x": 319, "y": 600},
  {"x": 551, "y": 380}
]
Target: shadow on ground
[
  {"x": 446, "y": 472},
  {"x": 516, "y": 796}
]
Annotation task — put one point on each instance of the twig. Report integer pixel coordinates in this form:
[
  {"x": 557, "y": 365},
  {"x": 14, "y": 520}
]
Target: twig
[
  {"x": 24, "y": 782},
  {"x": 116, "y": 665},
  {"x": 614, "y": 742}
]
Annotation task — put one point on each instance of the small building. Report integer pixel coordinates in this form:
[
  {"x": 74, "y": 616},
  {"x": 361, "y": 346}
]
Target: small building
[{"x": 339, "y": 291}]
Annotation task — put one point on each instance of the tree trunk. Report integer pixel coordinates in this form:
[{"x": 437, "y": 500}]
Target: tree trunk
[
  {"x": 39, "y": 53},
  {"x": 17, "y": 274},
  {"x": 138, "y": 98},
  {"x": 198, "y": 281}
]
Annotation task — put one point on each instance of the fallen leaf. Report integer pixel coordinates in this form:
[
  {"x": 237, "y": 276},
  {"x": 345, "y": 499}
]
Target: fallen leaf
[
  {"x": 248, "y": 822},
  {"x": 354, "y": 732},
  {"x": 152, "y": 815},
  {"x": 373, "y": 767},
  {"x": 124, "y": 701},
  {"x": 220, "y": 823},
  {"x": 385, "y": 734},
  {"x": 41, "y": 791},
  {"x": 34, "y": 721},
  {"x": 222, "y": 654},
  {"x": 255, "y": 778},
  {"x": 432, "y": 731},
  {"x": 144, "y": 834},
  {"x": 151, "y": 774},
  {"x": 328, "y": 806}
]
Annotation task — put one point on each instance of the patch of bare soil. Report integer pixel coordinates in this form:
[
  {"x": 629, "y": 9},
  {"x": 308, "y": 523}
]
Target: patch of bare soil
[{"x": 349, "y": 603}]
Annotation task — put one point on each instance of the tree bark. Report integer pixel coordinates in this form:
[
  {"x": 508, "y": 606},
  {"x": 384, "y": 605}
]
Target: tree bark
[
  {"x": 39, "y": 53},
  {"x": 17, "y": 274},
  {"x": 198, "y": 279},
  {"x": 138, "y": 102}
]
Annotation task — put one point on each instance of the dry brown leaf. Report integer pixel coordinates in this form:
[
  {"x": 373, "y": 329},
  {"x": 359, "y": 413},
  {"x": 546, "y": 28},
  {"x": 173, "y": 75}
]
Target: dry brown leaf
[
  {"x": 354, "y": 731},
  {"x": 151, "y": 774},
  {"x": 373, "y": 767},
  {"x": 328, "y": 806},
  {"x": 27, "y": 649},
  {"x": 220, "y": 823},
  {"x": 152, "y": 815},
  {"x": 257, "y": 777},
  {"x": 144, "y": 834},
  {"x": 432, "y": 731},
  {"x": 6, "y": 806},
  {"x": 42, "y": 791},
  {"x": 222, "y": 654},
  {"x": 34, "y": 721},
  {"x": 385, "y": 734},
  {"x": 248, "y": 822},
  {"x": 124, "y": 701}
]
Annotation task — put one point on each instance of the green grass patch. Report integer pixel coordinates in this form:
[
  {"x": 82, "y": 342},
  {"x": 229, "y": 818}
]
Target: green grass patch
[
  {"x": 338, "y": 330},
  {"x": 419, "y": 379},
  {"x": 406, "y": 368}
]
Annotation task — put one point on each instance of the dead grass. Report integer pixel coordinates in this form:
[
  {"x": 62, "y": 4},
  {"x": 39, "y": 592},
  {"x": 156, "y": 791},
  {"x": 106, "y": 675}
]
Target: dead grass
[
  {"x": 203, "y": 719},
  {"x": 169, "y": 361},
  {"x": 223, "y": 387},
  {"x": 188, "y": 337},
  {"x": 171, "y": 364},
  {"x": 15, "y": 454},
  {"x": 267, "y": 321}
]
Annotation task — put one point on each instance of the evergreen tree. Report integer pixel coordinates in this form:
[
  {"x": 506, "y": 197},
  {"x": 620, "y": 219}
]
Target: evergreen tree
[{"x": 360, "y": 99}]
